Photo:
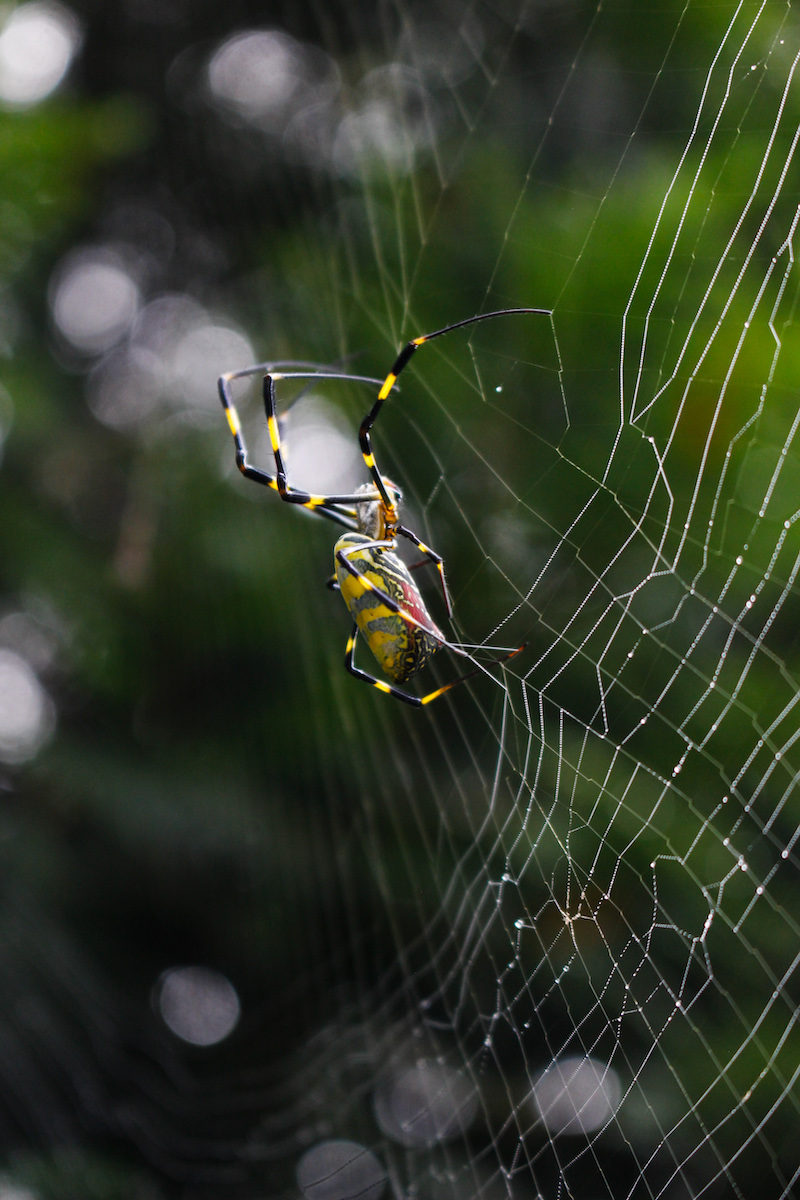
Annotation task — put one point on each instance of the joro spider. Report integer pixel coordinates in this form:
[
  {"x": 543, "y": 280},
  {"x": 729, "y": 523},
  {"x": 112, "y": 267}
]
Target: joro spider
[{"x": 376, "y": 585}]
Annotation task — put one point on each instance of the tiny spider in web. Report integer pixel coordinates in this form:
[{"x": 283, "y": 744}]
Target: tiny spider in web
[{"x": 376, "y": 585}]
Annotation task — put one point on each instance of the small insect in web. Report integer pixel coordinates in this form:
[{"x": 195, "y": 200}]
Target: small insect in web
[{"x": 384, "y": 601}]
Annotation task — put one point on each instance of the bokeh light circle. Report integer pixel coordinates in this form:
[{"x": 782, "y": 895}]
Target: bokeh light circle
[
  {"x": 198, "y": 1004},
  {"x": 37, "y": 45},
  {"x": 424, "y": 1104},
  {"x": 27, "y": 715},
  {"x": 340, "y": 1170},
  {"x": 577, "y": 1095},
  {"x": 93, "y": 300}
]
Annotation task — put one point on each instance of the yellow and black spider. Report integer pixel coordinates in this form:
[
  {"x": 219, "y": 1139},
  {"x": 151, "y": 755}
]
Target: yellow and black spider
[{"x": 376, "y": 585}]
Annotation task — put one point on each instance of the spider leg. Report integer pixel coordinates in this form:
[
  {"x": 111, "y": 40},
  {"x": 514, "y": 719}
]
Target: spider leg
[
  {"x": 389, "y": 382},
  {"x": 389, "y": 690},
  {"x": 340, "y": 509},
  {"x": 341, "y": 514},
  {"x": 430, "y": 557},
  {"x": 295, "y": 495}
]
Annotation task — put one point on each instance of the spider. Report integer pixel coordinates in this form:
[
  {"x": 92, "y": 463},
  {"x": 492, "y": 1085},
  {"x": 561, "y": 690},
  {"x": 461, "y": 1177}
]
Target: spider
[{"x": 376, "y": 585}]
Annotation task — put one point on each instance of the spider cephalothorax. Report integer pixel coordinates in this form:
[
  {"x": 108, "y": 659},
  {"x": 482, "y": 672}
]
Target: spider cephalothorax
[{"x": 374, "y": 517}]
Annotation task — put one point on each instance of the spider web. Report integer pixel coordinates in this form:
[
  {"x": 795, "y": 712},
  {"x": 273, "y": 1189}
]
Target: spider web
[{"x": 584, "y": 867}]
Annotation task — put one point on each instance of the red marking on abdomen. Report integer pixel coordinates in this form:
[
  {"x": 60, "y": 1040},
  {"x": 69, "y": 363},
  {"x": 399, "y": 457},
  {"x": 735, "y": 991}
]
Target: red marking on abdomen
[{"x": 414, "y": 606}]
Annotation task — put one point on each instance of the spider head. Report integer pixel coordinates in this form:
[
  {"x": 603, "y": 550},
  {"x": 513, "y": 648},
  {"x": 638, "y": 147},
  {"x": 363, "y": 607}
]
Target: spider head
[{"x": 375, "y": 518}]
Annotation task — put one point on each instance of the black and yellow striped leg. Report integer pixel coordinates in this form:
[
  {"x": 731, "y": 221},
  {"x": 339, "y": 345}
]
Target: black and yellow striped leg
[
  {"x": 372, "y": 416},
  {"x": 340, "y": 509},
  {"x": 400, "y": 363},
  {"x": 345, "y": 503},
  {"x": 224, "y": 386},
  {"x": 430, "y": 557},
  {"x": 295, "y": 495},
  {"x": 342, "y": 515},
  {"x": 387, "y": 688},
  {"x": 235, "y": 426},
  {"x": 390, "y": 690}
]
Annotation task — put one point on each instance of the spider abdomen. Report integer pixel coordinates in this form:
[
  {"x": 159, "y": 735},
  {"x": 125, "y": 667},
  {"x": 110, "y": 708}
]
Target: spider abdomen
[{"x": 401, "y": 641}]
